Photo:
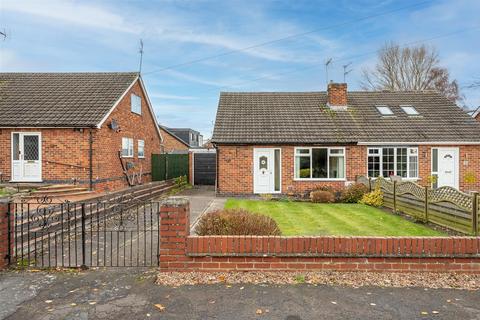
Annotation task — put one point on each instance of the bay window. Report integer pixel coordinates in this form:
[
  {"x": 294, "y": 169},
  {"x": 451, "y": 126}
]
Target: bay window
[
  {"x": 320, "y": 163},
  {"x": 393, "y": 161}
]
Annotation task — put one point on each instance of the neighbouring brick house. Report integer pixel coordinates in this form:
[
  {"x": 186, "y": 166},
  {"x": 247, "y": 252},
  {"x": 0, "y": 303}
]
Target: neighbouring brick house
[
  {"x": 172, "y": 143},
  {"x": 76, "y": 128},
  {"x": 476, "y": 114},
  {"x": 292, "y": 142}
]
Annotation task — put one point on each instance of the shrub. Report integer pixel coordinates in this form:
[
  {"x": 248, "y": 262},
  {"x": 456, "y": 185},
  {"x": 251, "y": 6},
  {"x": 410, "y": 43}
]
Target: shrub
[
  {"x": 236, "y": 222},
  {"x": 321, "y": 196},
  {"x": 181, "y": 181},
  {"x": 374, "y": 198},
  {"x": 353, "y": 193}
]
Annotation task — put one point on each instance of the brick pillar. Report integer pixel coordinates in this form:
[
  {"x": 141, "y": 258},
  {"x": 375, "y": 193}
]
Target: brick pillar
[
  {"x": 4, "y": 205},
  {"x": 174, "y": 230}
]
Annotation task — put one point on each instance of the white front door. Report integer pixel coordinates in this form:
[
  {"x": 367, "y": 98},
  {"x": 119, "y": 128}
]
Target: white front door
[
  {"x": 448, "y": 167},
  {"x": 266, "y": 170},
  {"x": 26, "y": 157}
]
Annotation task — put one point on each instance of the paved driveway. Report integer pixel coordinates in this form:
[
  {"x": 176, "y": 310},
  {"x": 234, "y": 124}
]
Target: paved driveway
[{"x": 131, "y": 294}]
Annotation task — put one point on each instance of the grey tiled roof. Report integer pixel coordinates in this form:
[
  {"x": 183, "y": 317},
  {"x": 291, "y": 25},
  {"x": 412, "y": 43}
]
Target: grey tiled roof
[
  {"x": 59, "y": 99},
  {"x": 302, "y": 117}
]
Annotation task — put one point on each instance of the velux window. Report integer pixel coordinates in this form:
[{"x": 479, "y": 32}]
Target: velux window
[
  {"x": 410, "y": 110},
  {"x": 319, "y": 163},
  {"x": 385, "y": 110},
  {"x": 392, "y": 161}
]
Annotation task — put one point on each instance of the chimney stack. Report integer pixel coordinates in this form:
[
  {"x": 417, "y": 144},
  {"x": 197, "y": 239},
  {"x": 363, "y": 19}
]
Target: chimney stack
[{"x": 337, "y": 96}]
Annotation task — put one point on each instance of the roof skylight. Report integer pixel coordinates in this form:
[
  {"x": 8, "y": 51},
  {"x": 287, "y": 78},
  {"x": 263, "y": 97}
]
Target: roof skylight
[
  {"x": 410, "y": 110},
  {"x": 385, "y": 110}
]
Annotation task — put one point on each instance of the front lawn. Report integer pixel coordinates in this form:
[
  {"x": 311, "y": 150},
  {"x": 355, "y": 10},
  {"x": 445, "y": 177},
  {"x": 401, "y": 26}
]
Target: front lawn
[{"x": 341, "y": 219}]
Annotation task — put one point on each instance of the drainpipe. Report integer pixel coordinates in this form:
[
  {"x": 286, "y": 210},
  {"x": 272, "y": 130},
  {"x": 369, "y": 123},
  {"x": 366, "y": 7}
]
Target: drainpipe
[{"x": 90, "y": 159}]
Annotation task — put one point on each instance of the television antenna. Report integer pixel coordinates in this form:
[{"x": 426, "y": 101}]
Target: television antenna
[
  {"x": 327, "y": 64},
  {"x": 141, "y": 56},
  {"x": 346, "y": 71}
]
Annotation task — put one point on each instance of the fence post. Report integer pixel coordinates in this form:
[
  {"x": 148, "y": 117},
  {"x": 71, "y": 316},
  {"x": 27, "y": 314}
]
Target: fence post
[
  {"x": 5, "y": 233},
  {"x": 369, "y": 184},
  {"x": 394, "y": 196},
  {"x": 166, "y": 167},
  {"x": 426, "y": 203},
  {"x": 84, "y": 265},
  {"x": 475, "y": 213}
]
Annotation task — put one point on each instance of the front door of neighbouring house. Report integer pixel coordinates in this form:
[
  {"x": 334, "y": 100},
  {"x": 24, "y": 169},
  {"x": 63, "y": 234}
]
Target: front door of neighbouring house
[
  {"x": 448, "y": 167},
  {"x": 266, "y": 170},
  {"x": 26, "y": 157}
]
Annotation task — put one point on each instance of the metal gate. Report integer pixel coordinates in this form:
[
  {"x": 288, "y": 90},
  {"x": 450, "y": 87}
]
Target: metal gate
[
  {"x": 204, "y": 168},
  {"x": 121, "y": 233}
]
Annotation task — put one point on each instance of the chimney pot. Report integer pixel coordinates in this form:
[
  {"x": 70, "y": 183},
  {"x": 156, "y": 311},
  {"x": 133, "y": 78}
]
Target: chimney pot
[{"x": 337, "y": 96}]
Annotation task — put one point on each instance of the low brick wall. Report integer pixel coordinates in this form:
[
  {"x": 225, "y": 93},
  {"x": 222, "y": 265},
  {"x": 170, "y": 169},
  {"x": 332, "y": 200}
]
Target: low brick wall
[
  {"x": 4, "y": 204},
  {"x": 181, "y": 252}
]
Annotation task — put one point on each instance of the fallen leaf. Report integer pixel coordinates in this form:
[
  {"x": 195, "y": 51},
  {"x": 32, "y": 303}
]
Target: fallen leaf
[
  {"x": 373, "y": 304},
  {"x": 148, "y": 314},
  {"x": 73, "y": 304},
  {"x": 334, "y": 302},
  {"x": 159, "y": 307},
  {"x": 435, "y": 312},
  {"x": 48, "y": 301},
  {"x": 449, "y": 300},
  {"x": 424, "y": 313},
  {"x": 211, "y": 301},
  {"x": 92, "y": 303},
  {"x": 241, "y": 288},
  {"x": 259, "y": 311}
]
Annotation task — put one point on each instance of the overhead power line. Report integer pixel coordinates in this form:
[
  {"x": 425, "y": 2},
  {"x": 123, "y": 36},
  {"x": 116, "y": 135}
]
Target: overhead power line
[
  {"x": 450, "y": 34},
  {"x": 261, "y": 44}
]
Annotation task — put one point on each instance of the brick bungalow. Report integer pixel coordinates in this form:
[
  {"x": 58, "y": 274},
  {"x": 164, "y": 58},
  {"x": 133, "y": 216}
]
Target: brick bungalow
[
  {"x": 172, "y": 143},
  {"x": 292, "y": 142},
  {"x": 68, "y": 128}
]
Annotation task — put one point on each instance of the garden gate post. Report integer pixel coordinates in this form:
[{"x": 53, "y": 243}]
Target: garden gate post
[
  {"x": 369, "y": 184},
  {"x": 83, "y": 221},
  {"x": 426, "y": 203},
  {"x": 5, "y": 233},
  {"x": 475, "y": 213}
]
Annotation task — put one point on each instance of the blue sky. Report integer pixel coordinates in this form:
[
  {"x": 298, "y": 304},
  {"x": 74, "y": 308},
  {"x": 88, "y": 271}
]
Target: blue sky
[{"x": 68, "y": 35}]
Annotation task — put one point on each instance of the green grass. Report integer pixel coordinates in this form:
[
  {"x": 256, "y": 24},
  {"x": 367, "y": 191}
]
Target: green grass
[{"x": 341, "y": 219}]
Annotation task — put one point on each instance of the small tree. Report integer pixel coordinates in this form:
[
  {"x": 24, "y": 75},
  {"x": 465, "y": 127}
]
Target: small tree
[{"x": 410, "y": 68}]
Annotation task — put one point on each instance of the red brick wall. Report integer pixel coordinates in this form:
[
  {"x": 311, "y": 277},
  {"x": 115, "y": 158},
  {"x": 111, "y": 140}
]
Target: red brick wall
[
  {"x": 170, "y": 143},
  {"x": 65, "y": 152},
  {"x": 108, "y": 142},
  {"x": 181, "y": 252},
  {"x": 235, "y": 168},
  {"x": 4, "y": 233}
]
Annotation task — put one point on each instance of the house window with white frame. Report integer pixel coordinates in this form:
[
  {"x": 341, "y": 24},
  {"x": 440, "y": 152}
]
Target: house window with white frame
[
  {"x": 320, "y": 163},
  {"x": 393, "y": 161},
  {"x": 136, "y": 103},
  {"x": 127, "y": 147},
  {"x": 141, "y": 149}
]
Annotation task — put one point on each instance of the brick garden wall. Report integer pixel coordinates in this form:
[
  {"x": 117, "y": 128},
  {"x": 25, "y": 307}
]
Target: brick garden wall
[
  {"x": 181, "y": 252},
  {"x": 65, "y": 152},
  {"x": 235, "y": 168}
]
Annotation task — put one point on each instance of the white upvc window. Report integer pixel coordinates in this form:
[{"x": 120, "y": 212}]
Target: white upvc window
[
  {"x": 136, "y": 103},
  {"x": 141, "y": 149},
  {"x": 127, "y": 147},
  {"x": 393, "y": 161},
  {"x": 319, "y": 163}
]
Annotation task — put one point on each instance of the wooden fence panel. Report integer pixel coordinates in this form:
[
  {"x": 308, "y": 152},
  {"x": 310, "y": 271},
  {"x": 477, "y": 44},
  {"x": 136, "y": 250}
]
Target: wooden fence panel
[
  {"x": 445, "y": 206},
  {"x": 169, "y": 166}
]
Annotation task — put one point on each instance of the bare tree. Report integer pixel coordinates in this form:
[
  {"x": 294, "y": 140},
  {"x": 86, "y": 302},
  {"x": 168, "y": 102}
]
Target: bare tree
[{"x": 410, "y": 68}]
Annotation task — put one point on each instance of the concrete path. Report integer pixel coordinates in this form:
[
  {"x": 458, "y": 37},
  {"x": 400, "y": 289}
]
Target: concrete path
[
  {"x": 131, "y": 294},
  {"x": 202, "y": 200}
]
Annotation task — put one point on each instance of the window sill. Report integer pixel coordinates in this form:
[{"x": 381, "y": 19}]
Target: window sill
[
  {"x": 127, "y": 157},
  {"x": 141, "y": 157},
  {"x": 318, "y": 179},
  {"x": 138, "y": 114}
]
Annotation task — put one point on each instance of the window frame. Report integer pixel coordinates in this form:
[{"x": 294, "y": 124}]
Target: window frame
[
  {"x": 406, "y": 107},
  {"x": 132, "y": 95},
  {"x": 130, "y": 147},
  {"x": 395, "y": 162},
  {"x": 390, "y": 114},
  {"x": 143, "y": 149},
  {"x": 329, "y": 154}
]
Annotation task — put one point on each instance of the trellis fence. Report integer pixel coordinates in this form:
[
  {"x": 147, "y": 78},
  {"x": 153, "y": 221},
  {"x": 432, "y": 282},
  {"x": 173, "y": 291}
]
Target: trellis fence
[{"x": 445, "y": 206}]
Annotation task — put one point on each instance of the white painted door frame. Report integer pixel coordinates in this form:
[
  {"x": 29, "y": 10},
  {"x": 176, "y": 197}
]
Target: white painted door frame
[
  {"x": 21, "y": 166},
  {"x": 264, "y": 178},
  {"x": 448, "y": 176}
]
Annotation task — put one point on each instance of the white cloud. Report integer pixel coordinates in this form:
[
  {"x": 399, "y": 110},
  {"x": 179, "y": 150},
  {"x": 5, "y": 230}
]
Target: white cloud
[
  {"x": 72, "y": 12},
  {"x": 170, "y": 96}
]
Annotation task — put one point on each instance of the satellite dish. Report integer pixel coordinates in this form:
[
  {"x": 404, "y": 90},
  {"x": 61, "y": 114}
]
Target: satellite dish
[{"x": 114, "y": 125}]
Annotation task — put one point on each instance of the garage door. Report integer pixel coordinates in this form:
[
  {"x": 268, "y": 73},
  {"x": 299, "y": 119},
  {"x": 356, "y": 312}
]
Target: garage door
[{"x": 205, "y": 168}]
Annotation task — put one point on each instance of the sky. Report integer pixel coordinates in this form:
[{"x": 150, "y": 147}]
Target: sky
[{"x": 194, "y": 49}]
